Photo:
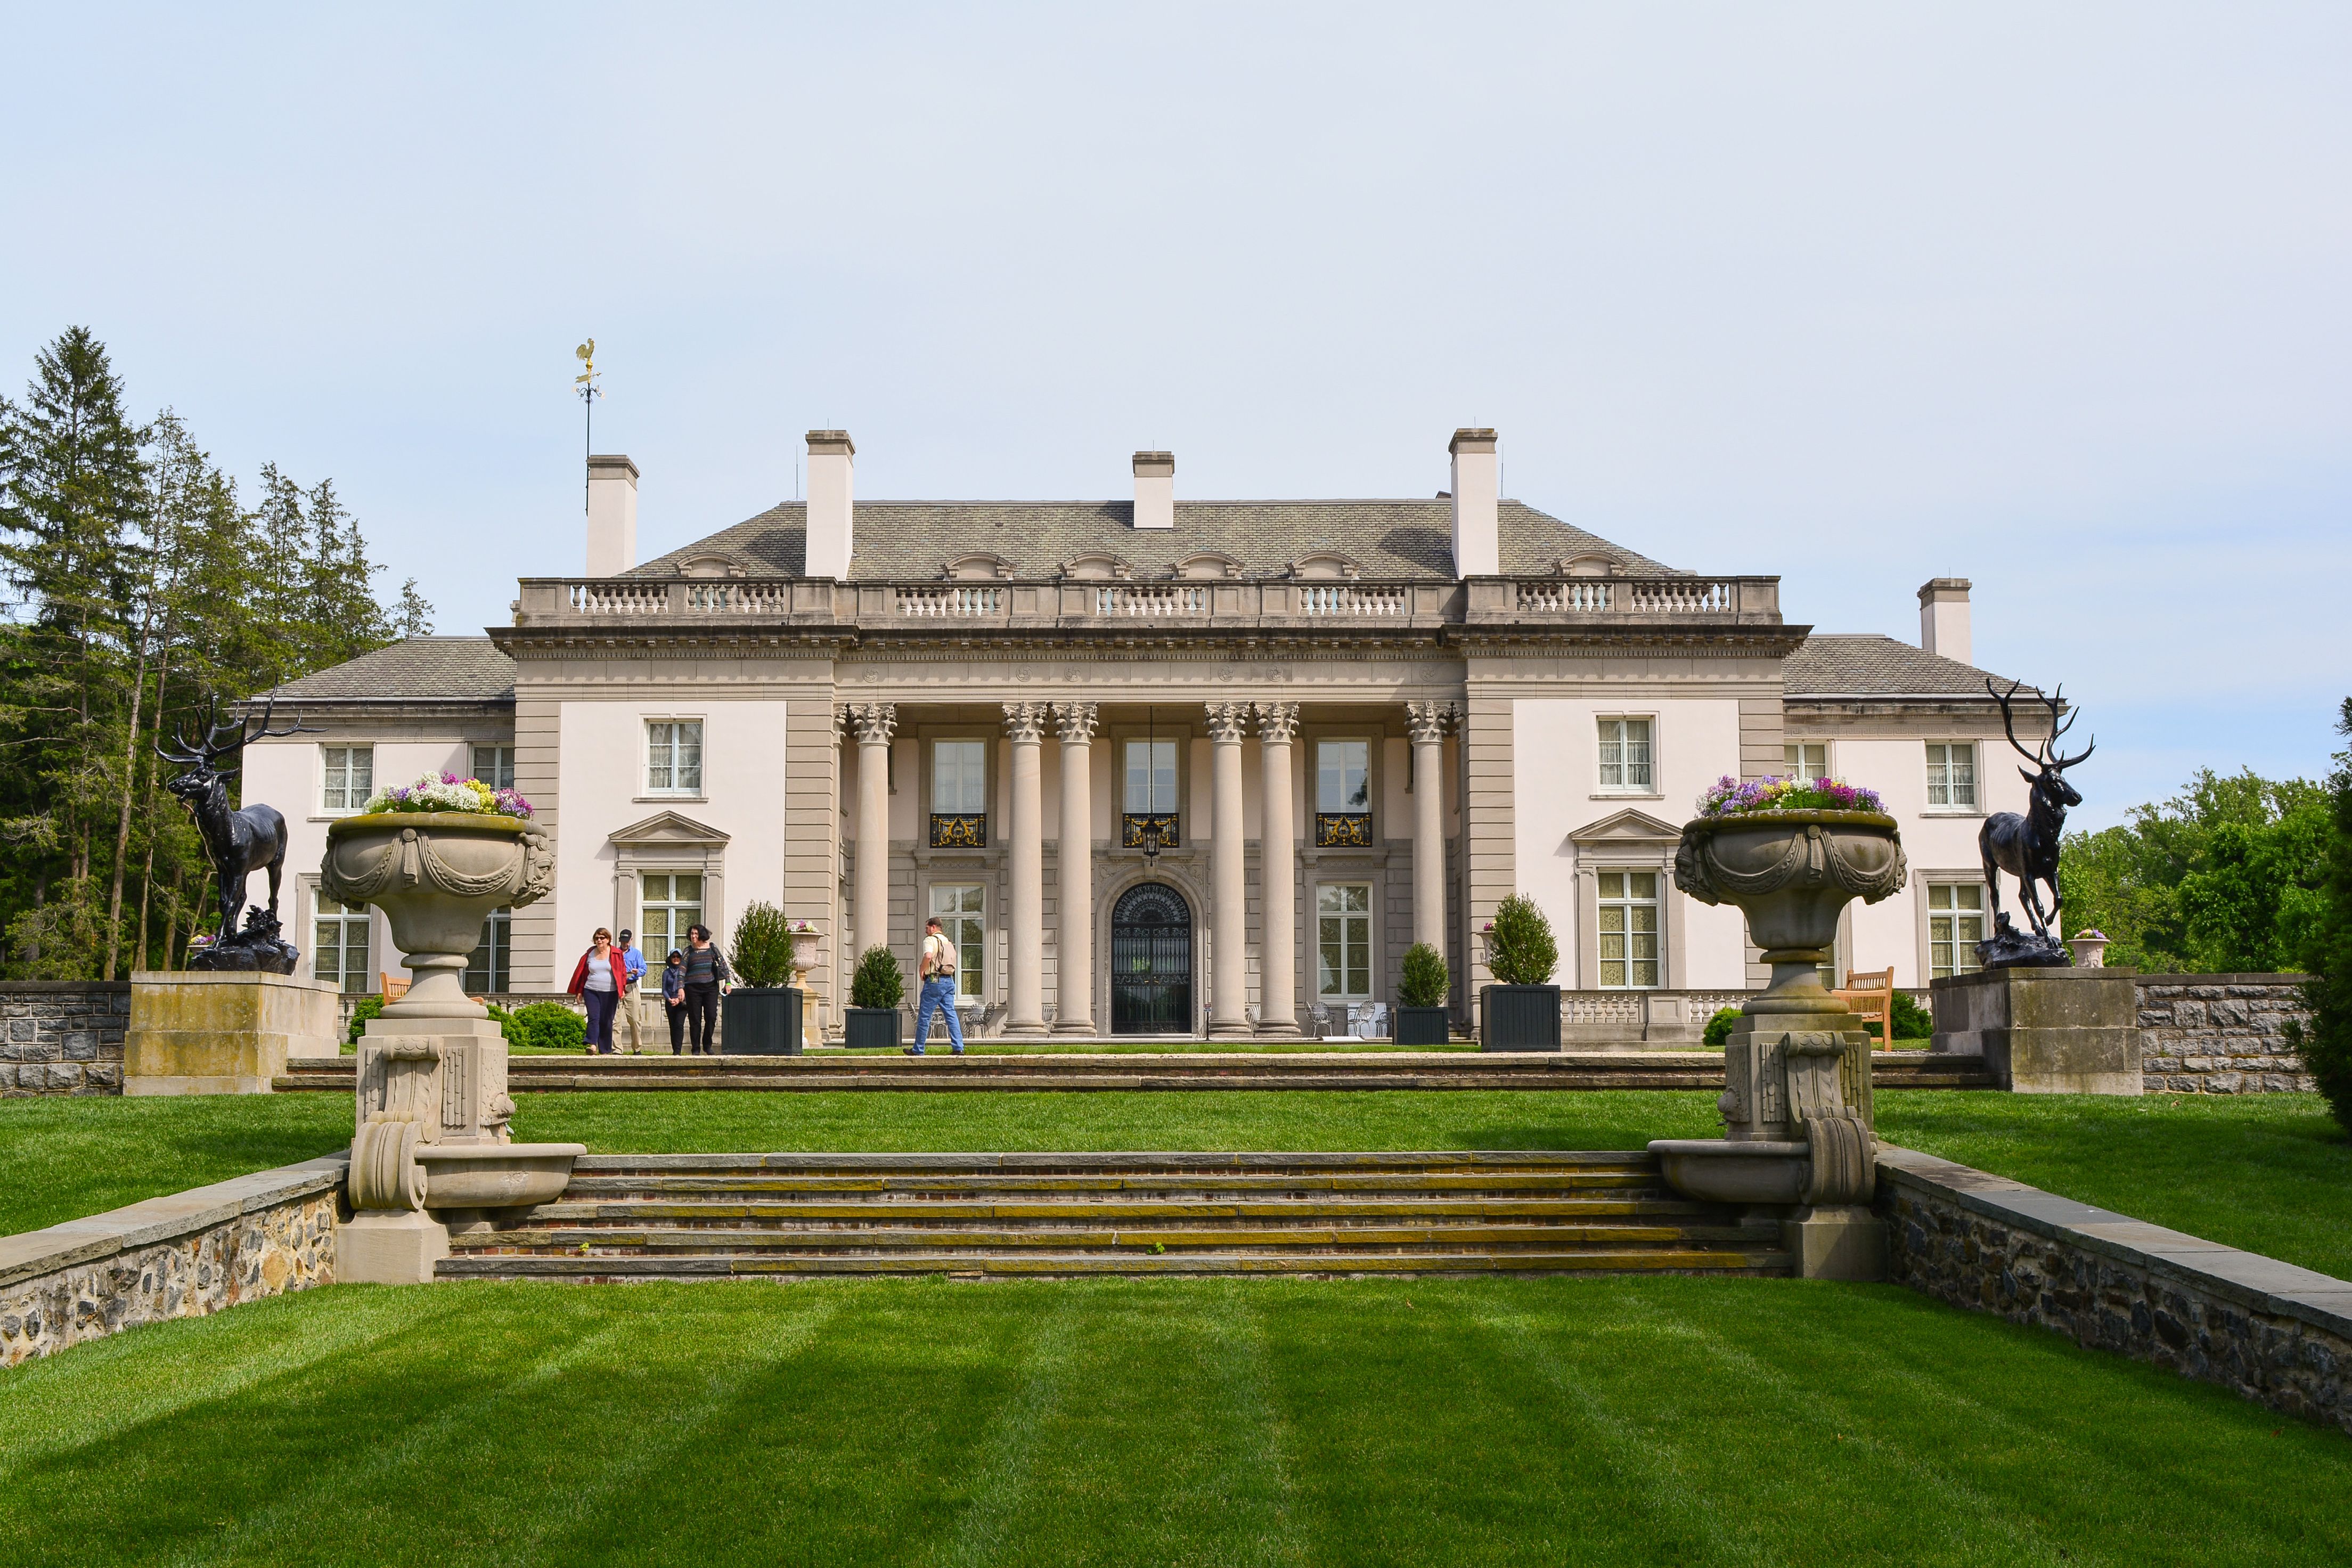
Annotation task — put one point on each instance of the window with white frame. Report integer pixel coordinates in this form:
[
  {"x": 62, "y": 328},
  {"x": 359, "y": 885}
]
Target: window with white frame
[
  {"x": 673, "y": 756},
  {"x": 1151, "y": 786},
  {"x": 339, "y": 945},
  {"x": 1807, "y": 760},
  {"x": 347, "y": 777},
  {"x": 959, "y": 777},
  {"x": 1628, "y": 926},
  {"x": 1625, "y": 755},
  {"x": 667, "y": 902},
  {"x": 494, "y": 765},
  {"x": 1956, "y": 923},
  {"x": 1951, "y": 775},
  {"x": 1343, "y": 941},
  {"x": 1343, "y": 776},
  {"x": 958, "y": 908},
  {"x": 490, "y": 970}
]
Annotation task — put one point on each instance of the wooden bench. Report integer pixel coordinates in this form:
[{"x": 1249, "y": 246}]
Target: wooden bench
[{"x": 1871, "y": 996}]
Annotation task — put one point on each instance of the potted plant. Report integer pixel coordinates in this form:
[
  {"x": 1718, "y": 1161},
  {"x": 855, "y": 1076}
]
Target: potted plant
[
  {"x": 1521, "y": 1011},
  {"x": 871, "y": 1018},
  {"x": 762, "y": 1016},
  {"x": 1420, "y": 998}
]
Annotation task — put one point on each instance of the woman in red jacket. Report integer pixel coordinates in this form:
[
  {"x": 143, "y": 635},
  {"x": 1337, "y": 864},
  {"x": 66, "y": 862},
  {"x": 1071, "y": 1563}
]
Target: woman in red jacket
[{"x": 597, "y": 982}]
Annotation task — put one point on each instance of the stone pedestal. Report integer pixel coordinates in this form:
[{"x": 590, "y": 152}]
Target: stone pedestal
[
  {"x": 222, "y": 1032},
  {"x": 2045, "y": 1031},
  {"x": 1836, "y": 1241},
  {"x": 388, "y": 1247}
]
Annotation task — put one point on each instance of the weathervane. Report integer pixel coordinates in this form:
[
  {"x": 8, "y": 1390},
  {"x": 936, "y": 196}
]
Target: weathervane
[{"x": 589, "y": 393}]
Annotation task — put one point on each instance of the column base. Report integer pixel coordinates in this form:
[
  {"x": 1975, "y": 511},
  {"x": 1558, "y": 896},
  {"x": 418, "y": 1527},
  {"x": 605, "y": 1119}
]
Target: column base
[
  {"x": 1287, "y": 1029},
  {"x": 389, "y": 1246},
  {"x": 1845, "y": 1243},
  {"x": 1081, "y": 1027},
  {"x": 1244, "y": 1030},
  {"x": 1027, "y": 1031}
]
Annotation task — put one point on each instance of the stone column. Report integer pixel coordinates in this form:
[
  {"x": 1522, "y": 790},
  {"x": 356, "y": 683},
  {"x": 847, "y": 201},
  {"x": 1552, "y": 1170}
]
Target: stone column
[
  {"x": 1228, "y": 880},
  {"x": 1025, "y": 725},
  {"x": 1074, "y": 949},
  {"x": 1277, "y": 1013},
  {"x": 1426, "y": 721},
  {"x": 870, "y": 920}
]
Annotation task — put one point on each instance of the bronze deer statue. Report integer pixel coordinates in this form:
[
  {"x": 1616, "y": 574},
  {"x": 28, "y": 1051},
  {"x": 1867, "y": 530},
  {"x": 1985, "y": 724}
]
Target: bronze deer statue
[
  {"x": 2027, "y": 846},
  {"x": 238, "y": 843}
]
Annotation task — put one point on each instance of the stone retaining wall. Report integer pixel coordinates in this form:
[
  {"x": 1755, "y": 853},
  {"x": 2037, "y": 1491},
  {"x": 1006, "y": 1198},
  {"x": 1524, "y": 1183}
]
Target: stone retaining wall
[
  {"x": 2221, "y": 1034},
  {"x": 183, "y": 1255},
  {"x": 62, "y": 1037},
  {"x": 2265, "y": 1329}
]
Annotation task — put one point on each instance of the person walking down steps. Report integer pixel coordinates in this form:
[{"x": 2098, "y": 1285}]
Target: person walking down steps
[
  {"x": 938, "y": 971},
  {"x": 706, "y": 973},
  {"x": 598, "y": 982}
]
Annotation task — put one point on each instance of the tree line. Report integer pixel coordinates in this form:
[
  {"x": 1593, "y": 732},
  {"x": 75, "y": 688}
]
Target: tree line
[{"x": 143, "y": 586}]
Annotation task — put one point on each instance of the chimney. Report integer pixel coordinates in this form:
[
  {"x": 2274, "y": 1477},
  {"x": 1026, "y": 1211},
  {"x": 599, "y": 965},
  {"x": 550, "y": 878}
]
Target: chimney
[
  {"x": 611, "y": 515},
  {"x": 829, "y": 455},
  {"x": 1944, "y": 617},
  {"x": 1155, "y": 489},
  {"x": 1477, "y": 496}
]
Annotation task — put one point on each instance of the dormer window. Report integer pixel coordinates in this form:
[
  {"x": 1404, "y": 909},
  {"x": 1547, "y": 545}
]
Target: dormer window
[
  {"x": 982, "y": 566},
  {"x": 1207, "y": 566},
  {"x": 1325, "y": 566},
  {"x": 1588, "y": 566},
  {"x": 709, "y": 566},
  {"x": 1097, "y": 568}
]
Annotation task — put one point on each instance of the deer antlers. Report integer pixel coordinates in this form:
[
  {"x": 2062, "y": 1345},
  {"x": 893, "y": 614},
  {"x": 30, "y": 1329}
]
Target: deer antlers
[
  {"x": 2042, "y": 757},
  {"x": 214, "y": 745}
]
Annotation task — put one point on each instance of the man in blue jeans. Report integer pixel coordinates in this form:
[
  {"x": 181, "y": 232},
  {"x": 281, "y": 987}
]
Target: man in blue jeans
[{"x": 938, "y": 971}]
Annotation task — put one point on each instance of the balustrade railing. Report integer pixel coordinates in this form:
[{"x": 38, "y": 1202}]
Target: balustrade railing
[
  {"x": 619, "y": 596},
  {"x": 1354, "y": 599},
  {"x": 1151, "y": 599},
  {"x": 742, "y": 598},
  {"x": 951, "y": 600}
]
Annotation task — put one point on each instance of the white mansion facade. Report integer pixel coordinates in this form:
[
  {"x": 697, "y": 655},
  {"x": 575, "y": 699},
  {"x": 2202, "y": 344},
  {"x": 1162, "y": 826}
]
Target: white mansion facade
[{"x": 1162, "y": 766}]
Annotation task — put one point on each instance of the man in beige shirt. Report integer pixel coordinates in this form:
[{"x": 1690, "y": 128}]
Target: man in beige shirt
[{"x": 938, "y": 988}]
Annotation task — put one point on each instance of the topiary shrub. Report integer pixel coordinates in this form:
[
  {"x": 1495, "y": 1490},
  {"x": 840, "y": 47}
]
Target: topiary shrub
[
  {"x": 761, "y": 952},
  {"x": 545, "y": 1026},
  {"x": 1718, "y": 1028},
  {"x": 1425, "y": 979},
  {"x": 369, "y": 1008},
  {"x": 879, "y": 982},
  {"x": 1519, "y": 945}
]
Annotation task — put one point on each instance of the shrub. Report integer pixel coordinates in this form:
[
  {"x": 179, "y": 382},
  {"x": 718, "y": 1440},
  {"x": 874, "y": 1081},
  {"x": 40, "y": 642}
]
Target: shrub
[
  {"x": 1718, "y": 1028},
  {"x": 368, "y": 1008},
  {"x": 1426, "y": 980},
  {"x": 877, "y": 983},
  {"x": 545, "y": 1026},
  {"x": 1912, "y": 1022},
  {"x": 1519, "y": 945},
  {"x": 761, "y": 952},
  {"x": 2325, "y": 1045}
]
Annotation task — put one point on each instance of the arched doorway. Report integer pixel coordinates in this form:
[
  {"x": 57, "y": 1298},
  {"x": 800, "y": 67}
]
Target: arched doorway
[{"x": 1152, "y": 961}]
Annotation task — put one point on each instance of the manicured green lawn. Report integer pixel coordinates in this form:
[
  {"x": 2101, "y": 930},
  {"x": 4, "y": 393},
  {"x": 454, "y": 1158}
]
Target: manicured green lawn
[{"x": 1463, "y": 1422}]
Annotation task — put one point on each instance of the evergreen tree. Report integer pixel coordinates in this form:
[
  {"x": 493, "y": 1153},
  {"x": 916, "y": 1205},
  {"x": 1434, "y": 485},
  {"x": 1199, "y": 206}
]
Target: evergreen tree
[{"x": 2327, "y": 1042}]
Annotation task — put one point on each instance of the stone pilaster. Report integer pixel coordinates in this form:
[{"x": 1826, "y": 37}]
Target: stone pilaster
[
  {"x": 870, "y": 914},
  {"x": 1278, "y": 726},
  {"x": 1426, "y": 721},
  {"x": 1074, "y": 952},
  {"x": 1228, "y": 876},
  {"x": 1025, "y": 725}
]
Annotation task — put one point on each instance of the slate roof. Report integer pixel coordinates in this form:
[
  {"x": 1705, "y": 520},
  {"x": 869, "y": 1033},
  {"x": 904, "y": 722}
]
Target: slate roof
[
  {"x": 1867, "y": 664},
  {"x": 443, "y": 669},
  {"x": 1390, "y": 540}
]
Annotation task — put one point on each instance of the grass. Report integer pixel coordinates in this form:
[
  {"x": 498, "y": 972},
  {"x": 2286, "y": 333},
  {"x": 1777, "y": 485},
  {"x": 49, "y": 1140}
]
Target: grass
[
  {"x": 2268, "y": 1172},
  {"x": 1463, "y": 1422}
]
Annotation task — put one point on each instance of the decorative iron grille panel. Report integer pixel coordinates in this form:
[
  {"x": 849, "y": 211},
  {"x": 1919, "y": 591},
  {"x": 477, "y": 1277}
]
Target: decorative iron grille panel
[
  {"x": 1152, "y": 961},
  {"x": 959, "y": 830},
  {"x": 1343, "y": 830},
  {"x": 1135, "y": 824}
]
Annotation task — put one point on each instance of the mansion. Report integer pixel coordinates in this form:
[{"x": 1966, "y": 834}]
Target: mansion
[{"x": 1160, "y": 765}]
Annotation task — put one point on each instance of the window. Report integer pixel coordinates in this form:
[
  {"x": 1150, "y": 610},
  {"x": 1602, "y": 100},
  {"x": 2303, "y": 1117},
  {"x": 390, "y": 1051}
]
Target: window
[
  {"x": 1956, "y": 923},
  {"x": 349, "y": 777},
  {"x": 1342, "y": 776},
  {"x": 339, "y": 945},
  {"x": 958, "y": 908},
  {"x": 1343, "y": 956},
  {"x": 1951, "y": 777},
  {"x": 667, "y": 902},
  {"x": 1629, "y": 930},
  {"x": 673, "y": 756},
  {"x": 1625, "y": 754},
  {"x": 494, "y": 765},
  {"x": 489, "y": 972},
  {"x": 1150, "y": 777},
  {"x": 1808, "y": 759},
  {"x": 959, "y": 794}
]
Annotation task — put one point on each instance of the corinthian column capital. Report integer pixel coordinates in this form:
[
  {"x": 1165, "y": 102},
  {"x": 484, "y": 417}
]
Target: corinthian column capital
[
  {"x": 1427, "y": 721},
  {"x": 874, "y": 721},
  {"x": 1228, "y": 720},
  {"x": 1025, "y": 723},
  {"x": 1076, "y": 721},
  {"x": 1277, "y": 722}
]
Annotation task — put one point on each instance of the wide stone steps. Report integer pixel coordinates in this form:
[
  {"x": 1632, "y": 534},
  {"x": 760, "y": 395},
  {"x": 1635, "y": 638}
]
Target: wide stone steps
[{"x": 780, "y": 1215}]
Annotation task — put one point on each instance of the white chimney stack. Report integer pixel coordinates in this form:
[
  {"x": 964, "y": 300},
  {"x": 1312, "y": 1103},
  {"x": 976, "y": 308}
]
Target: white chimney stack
[
  {"x": 1478, "y": 505},
  {"x": 1155, "y": 489},
  {"x": 611, "y": 515},
  {"x": 1944, "y": 617},
  {"x": 829, "y": 455}
]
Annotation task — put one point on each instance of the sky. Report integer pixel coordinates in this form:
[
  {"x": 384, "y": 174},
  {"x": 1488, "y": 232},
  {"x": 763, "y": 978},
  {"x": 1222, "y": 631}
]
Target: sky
[{"x": 2054, "y": 299}]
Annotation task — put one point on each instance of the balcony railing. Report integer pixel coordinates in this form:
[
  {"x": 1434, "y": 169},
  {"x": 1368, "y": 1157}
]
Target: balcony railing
[
  {"x": 959, "y": 830},
  {"x": 1135, "y": 830},
  {"x": 1343, "y": 830}
]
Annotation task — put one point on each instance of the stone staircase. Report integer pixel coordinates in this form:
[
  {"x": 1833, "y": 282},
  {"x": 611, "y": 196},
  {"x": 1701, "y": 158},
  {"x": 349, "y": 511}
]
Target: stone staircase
[{"x": 715, "y": 1216}]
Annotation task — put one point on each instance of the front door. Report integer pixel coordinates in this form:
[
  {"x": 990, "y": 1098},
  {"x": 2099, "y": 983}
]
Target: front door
[{"x": 1152, "y": 961}]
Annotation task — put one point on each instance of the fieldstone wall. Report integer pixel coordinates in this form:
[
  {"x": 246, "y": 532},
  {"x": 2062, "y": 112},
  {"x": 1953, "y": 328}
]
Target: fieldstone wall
[
  {"x": 2221, "y": 1034},
  {"x": 2267, "y": 1331},
  {"x": 184, "y": 1256},
  {"x": 62, "y": 1037}
]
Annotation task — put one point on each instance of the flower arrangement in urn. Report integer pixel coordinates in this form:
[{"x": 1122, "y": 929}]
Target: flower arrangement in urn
[
  {"x": 446, "y": 792},
  {"x": 1728, "y": 796}
]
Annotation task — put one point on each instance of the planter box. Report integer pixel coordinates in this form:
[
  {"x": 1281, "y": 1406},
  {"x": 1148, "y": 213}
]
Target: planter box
[
  {"x": 869, "y": 1026},
  {"x": 1422, "y": 1026},
  {"x": 1518, "y": 1018},
  {"x": 763, "y": 1021}
]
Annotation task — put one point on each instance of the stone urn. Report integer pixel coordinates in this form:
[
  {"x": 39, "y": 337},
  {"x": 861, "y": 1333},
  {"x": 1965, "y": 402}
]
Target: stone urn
[
  {"x": 1796, "y": 1107},
  {"x": 2089, "y": 949},
  {"x": 431, "y": 1130}
]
